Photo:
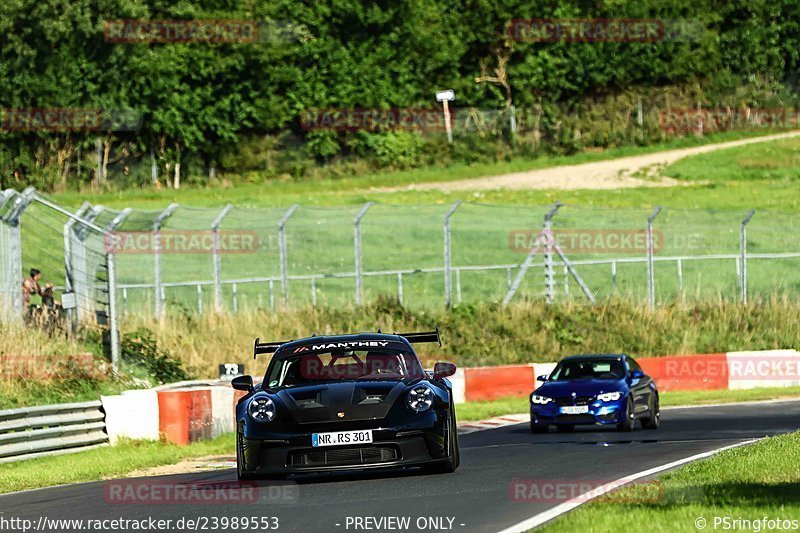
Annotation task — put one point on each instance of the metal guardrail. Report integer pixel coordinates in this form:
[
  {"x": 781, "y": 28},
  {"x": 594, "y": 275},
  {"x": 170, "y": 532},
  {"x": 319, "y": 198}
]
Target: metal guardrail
[{"x": 30, "y": 432}]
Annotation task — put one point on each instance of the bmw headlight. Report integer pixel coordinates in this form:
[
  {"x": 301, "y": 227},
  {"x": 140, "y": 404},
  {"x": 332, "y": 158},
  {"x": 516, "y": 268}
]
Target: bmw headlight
[
  {"x": 261, "y": 408},
  {"x": 420, "y": 399},
  {"x": 609, "y": 396},
  {"x": 541, "y": 400}
]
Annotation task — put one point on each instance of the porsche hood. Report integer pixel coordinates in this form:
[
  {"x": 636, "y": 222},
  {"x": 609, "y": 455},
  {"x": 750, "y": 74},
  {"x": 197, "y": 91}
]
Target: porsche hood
[{"x": 346, "y": 401}]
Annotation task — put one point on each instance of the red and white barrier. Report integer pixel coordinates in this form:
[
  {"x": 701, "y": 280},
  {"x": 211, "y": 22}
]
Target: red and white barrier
[
  {"x": 202, "y": 410},
  {"x": 132, "y": 414},
  {"x": 719, "y": 371}
]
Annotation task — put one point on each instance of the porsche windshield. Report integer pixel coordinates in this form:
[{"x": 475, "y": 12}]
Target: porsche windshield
[
  {"x": 589, "y": 369},
  {"x": 343, "y": 365}
]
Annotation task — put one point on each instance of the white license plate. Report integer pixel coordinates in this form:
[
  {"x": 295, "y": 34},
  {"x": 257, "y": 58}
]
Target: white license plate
[
  {"x": 574, "y": 409},
  {"x": 338, "y": 438}
]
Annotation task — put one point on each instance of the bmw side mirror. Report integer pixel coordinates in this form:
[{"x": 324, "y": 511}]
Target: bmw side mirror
[
  {"x": 637, "y": 374},
  {"x": 542, "y": 378},
  {"x": 244, "y": 383},
  {"x": 443, "y": 370}
]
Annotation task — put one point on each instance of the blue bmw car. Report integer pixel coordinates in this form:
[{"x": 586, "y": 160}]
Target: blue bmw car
[{"x": 598, "y": 390}]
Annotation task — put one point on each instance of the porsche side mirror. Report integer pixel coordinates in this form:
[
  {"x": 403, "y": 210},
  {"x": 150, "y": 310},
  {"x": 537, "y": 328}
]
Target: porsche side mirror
[
  {"x": 542, "y": 378},
  {"x": 443, "y": 370},
  {"x": 244, "y": 383},
  {"x": 637, "y": 374}
]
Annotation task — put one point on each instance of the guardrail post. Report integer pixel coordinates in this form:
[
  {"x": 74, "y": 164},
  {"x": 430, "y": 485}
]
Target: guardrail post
[
  {"x": 651, "y": 283},
  {"x": 357, "y": 247},
  {"x": 157, "y": 257},
  {"x": 282, "y": 251},
  {"x": 743, "y": 249},
  {"x": 448, "y": 279},
  {"x": 216, "y": 258}
]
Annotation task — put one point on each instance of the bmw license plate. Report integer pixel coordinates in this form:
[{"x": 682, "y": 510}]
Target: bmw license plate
[
  {"x": 337, "y": 438},
  {"x": 574, "y": 409}
]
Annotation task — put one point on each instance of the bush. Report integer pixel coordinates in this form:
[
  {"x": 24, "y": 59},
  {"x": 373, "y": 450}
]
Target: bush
[{"x": 140, "y": 350}]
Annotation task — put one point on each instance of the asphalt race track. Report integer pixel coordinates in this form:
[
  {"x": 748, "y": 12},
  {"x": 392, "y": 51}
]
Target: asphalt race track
[{"x": 478, "y": 497}]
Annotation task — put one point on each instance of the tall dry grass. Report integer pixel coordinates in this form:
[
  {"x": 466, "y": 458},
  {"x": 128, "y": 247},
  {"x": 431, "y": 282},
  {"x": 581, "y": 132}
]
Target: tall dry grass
[{"x": 490, "y": 334}]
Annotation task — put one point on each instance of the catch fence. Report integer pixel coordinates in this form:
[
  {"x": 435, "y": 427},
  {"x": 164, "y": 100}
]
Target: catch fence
[{"x": 232, "y": 259}]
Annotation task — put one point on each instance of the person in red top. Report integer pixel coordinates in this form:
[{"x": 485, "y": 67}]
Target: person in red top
[{"x": 31, "y": 286}]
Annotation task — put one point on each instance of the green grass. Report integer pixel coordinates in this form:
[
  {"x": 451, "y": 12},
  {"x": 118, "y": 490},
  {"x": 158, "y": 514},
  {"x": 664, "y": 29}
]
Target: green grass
[
  {"x": 471, "y": 411},
  {"x": 358, "y": 190},
  {"x": 320, "y": 239},
  {"x": 726, "y": 396},
  {"x": 749, "y": 482},
  {"x": 105, "y": 462},
  {"x": 24, "y": 393}
]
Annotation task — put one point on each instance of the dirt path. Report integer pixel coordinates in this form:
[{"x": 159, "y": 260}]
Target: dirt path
[{"x": 611, "y": 174}]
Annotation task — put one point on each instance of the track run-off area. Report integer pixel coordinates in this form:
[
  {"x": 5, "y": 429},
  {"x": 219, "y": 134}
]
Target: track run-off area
[{"x": 483, "y": 495}]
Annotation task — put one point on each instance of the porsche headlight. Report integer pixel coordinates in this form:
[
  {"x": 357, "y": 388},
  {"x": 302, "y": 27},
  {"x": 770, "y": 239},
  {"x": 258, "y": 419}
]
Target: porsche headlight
[
  {"x": 261, "y": 408},
  {"x": 541, "y": 400},
  {"x": 609, "y": 396},
  {"x": 420, "y": 399}
]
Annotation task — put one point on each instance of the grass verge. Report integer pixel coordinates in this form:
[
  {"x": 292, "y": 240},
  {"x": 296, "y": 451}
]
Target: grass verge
[
  {"x": 749, "y": 483},
  {"x": 104, "y": 462},
  {"x": 471, "y": 411},
  {"x": 721, "y": 193},
  {"x": 492, "y": 334}
]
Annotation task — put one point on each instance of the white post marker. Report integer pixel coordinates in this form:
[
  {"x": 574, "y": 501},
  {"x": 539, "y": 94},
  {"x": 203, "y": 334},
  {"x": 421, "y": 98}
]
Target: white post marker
[{"x": 444, "y": 97}]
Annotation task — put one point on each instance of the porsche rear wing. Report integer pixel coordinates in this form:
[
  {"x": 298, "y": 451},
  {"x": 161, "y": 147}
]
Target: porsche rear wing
[
  {"x": 423, "y": 336},
  {"x": 266, "y": 347},
  {"x": 413, "y": 338}
]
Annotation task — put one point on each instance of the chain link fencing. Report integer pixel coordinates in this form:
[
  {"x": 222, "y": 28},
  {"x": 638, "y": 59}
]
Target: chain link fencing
[{"x": 187, "y": 260}]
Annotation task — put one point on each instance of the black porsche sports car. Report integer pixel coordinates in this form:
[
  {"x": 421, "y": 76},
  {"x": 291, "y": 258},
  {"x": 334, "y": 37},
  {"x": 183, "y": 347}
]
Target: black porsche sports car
[{"x": 346, "y": 402}]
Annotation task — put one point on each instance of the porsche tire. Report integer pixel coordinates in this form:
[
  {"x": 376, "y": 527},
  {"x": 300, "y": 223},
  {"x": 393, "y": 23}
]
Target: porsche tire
[{"x": 449, "y": 465}]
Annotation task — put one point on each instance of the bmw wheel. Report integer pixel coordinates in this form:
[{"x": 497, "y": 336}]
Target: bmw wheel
[
  {"x": 627, "y": 423},
  {"x": 653, "y": 419}
]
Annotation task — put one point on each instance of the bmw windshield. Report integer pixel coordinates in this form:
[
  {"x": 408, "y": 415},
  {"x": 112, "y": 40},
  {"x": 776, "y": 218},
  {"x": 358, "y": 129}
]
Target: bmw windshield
[{"x": 585, "y": 369}]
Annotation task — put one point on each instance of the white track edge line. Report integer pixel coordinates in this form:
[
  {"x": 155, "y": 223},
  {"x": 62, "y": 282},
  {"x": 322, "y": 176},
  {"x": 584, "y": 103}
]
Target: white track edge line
[{"x": 545, "y": 516}]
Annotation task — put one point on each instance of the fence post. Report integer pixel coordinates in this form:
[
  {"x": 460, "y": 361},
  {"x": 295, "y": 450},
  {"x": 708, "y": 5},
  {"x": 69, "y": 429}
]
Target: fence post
[
  {"x": 528, "y": 261},
  {"x": 357, "y": 247},
  {"x": 448, "y": 278},
  {"x": 82, "y": 284},
  {"x": 651, "y": 289},
  {"x": 217, "y": 264},
  {"x": 549, "y": 274},
  {"x": 113, "y": 317},
  {"x": 282, "y": 251},
  {"x": 157, "y": 256},
  {"x": 743, "y": 246},
  {"x": 14, "y": 264},
  {"x": 67, "y": 231}
]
